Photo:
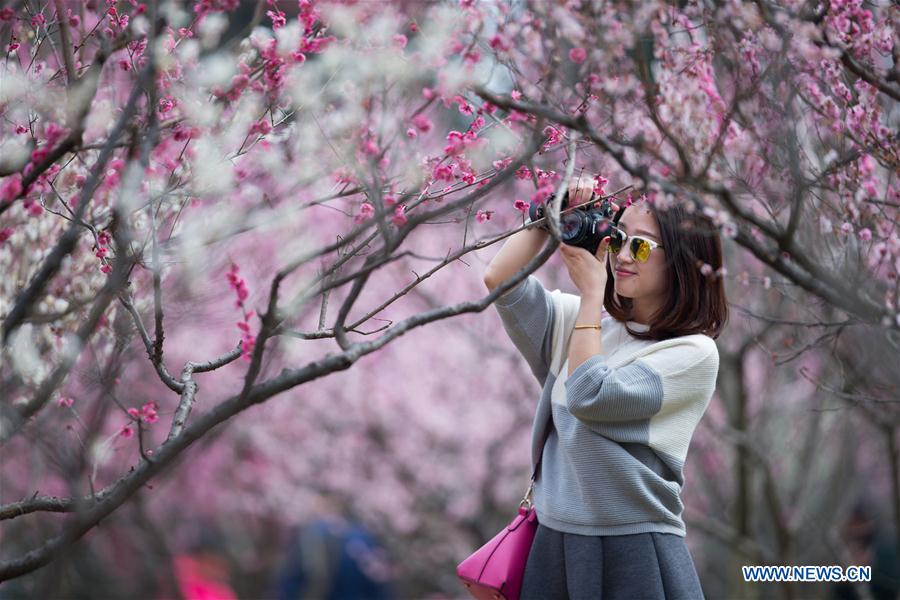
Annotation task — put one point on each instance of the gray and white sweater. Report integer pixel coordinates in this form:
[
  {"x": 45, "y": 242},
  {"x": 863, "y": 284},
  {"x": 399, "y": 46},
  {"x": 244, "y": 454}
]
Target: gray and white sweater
[{"x": 621, "y": 424}]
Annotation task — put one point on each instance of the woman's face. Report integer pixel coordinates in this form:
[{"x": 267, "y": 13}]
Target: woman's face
[{"x": 643, "y": 282}]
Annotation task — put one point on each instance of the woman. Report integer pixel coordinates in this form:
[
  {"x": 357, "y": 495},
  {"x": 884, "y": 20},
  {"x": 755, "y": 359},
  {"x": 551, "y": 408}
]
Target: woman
[{"x": 615, "y": 420}]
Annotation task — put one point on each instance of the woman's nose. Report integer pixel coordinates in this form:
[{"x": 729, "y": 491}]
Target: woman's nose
[{"x": 624, "y": 255}]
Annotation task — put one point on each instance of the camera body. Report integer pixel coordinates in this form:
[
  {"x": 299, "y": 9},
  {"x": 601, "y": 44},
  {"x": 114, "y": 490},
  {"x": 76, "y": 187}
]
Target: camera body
[{"x": 584, "y": 227}]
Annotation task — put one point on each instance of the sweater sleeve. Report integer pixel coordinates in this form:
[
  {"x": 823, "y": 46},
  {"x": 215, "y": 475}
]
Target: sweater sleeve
[
  {"x": 670, "y": 376},
  {"x": 526, "y": 312}
]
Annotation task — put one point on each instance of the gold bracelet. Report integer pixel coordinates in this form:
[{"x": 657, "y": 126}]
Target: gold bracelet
[{"x": 588, "y": 327}]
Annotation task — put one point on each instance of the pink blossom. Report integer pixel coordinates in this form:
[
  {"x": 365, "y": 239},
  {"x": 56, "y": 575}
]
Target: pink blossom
[
  {"x": 422, "y": 123},
  {"x": 442, "y": 172},
  {"x": 464, "y": 106},
  {"x": 457, "y": 142},
  {"x": 248, "y": 343},
  {"x": 483, "y": 215},
  {"x": 53, "y": 133},
  {"x": 870, "y": 187},
  {"x": 399, "y": 217},
  {"x": 65, "y": 401},
  {"x": 523, "y": 173},
  {"x": 553, "y": 136},
  {"x": 399, "y": 40},
  {"x": 501, "y": 164},
  {"x": 866, "y": 164},
  {"x": 278, "y": 18},
  {"x": 366, "y": 211},
  {"x": 865, "y": 234},
  {"x": 411, "y": 133},
  {"x": 127, "y": 431},
  {"x": 498, "y": 42},
  {"x": 6, "y": 233},
  {"x": 148, "y": 412},
  {"x": 261, "y": 127},
  {"x": 521, "y": 205},
  {"x": 39, "y": 155},
  {"x": 11, "y": 188},
  {"x": 237, "y": 284},
  {"x": 472, "y": 57},
  {"x": 577, "y": 55},
  {"x": 599, "y": 182}
]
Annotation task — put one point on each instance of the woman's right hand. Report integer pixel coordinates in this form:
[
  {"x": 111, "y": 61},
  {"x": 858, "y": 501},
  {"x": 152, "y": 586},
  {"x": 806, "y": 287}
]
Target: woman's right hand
[{"x": 581, "y": 189}]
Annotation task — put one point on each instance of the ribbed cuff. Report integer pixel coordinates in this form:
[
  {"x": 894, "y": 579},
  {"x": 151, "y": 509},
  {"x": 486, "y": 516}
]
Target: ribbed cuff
[{"x": 582, "y": 382}]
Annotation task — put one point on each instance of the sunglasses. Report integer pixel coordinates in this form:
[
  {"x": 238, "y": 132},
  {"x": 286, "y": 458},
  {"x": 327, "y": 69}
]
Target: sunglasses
[{"x": 640, "y": 246}]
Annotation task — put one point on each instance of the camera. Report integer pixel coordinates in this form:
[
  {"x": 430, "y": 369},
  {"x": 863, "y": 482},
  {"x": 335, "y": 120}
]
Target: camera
[{"x": 585, "y": 226}]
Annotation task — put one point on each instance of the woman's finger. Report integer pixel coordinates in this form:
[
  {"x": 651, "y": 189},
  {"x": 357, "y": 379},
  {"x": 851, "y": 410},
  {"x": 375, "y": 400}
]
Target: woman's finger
[{"x": 601, "y": 249}]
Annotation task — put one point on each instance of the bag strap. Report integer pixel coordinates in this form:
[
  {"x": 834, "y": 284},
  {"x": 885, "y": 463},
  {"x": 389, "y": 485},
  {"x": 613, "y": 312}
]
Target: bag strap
[{"x": 565, "y": 311}]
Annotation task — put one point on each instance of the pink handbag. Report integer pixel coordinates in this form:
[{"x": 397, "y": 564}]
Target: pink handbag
[{"x": 495, "y": 570}]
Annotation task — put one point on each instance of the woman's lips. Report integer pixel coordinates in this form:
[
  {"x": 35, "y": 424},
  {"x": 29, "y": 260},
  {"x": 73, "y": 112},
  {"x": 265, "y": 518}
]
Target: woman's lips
[{"x": 620, "y": 273}]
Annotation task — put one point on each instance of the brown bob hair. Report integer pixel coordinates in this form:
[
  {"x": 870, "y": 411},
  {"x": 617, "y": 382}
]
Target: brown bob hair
[{"x": 697, "y": 302}]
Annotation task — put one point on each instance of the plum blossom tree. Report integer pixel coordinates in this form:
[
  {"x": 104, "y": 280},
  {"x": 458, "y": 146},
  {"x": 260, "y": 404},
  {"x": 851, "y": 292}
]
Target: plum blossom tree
[{"x": 188, "y": 188}]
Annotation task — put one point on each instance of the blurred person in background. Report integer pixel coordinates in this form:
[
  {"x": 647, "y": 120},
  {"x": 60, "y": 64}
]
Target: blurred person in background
[
  {"x": 330, "y": 558},
  {"x": 869, "y": 545},
  {"x": 203, "y": 573}
]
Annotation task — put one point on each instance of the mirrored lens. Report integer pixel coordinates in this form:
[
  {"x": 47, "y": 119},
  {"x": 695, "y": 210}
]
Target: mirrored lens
[
  {"x": 640, "y": 249},
  {"x": 615, "y": 241}
]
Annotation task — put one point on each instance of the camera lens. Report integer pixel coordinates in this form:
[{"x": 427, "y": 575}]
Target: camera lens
[{"x": 571, "y": 226}]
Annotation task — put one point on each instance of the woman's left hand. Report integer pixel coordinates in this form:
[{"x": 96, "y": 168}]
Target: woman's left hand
[{"x": 588, "y": 272}]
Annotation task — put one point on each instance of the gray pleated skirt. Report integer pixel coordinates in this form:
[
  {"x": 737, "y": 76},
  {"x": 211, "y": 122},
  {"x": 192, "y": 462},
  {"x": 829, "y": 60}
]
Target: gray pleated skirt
[{"x": 641, "y": 566}]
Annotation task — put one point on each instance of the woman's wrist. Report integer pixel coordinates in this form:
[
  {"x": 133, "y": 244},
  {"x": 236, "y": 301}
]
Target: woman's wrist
[{"x": 593, "y": 299}]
